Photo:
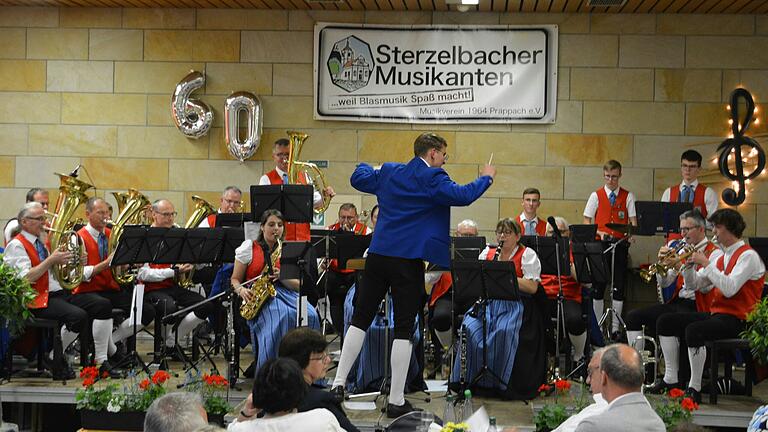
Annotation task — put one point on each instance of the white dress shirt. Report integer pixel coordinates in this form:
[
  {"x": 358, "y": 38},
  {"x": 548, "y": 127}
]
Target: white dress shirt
[
  {"x": 12, "y": 225},
  {"x": 148, "y": 274},
  {"x": 748, "y": 267},
  {"x": 686, "y": 292},
  {"x": 591, "y": 209},
  {"x": 316, "y": 420},
  {"x": 316, "y": 197},
  {"x": 204, "y": 223},
  {"x": 16, "y": 256},
  {"x": 529, "y": 261},
  {"x": 710, "y": 196},
  {"x": 570, "y": 424},
  {"x": 88, "y": 270}
]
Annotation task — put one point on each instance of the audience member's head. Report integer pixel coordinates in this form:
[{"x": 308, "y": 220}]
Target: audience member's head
[
  {"x": 176, "y": 412},
  {"x": 621, "y": 371},
  {"x": 279, "y": 386},
  {"x": 593, "y": 371},
  {"x": 308, "y": 348}
]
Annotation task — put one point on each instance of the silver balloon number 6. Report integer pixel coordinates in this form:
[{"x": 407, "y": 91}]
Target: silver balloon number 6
[
  {"x": 250, "y": 105},
  {"x": 193, "y": 117}
]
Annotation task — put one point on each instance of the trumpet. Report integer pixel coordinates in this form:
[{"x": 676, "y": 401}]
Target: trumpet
[{"x": 680, "y": 252}]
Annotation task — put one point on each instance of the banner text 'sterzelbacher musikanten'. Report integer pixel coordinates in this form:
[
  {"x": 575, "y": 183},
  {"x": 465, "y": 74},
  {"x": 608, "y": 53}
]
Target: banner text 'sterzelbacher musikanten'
[{"x": 488, "y": 74}]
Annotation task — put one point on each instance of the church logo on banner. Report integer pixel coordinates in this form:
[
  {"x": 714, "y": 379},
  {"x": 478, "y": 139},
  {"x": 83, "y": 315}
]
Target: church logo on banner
[{"x": 350, "y": 64}]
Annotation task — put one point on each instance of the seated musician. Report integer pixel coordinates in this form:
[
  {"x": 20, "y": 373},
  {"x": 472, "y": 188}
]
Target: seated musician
[
  {"x": 684, "y": 298},
  {"x": 374, "y": 216},
  {"x": 28, "y": 254},
  {"x": 340, "y": 280},
  {"x": 98, "y": 286},
  {"x": 161, "y": 288},
  {"x": 230, "y": 202},
  {"x": 736, "y": 277},
  {"x": 503, "y": 317},
  {"x": 12, "y": 227},
  {"x": 574, "y": 324},
  {"x": 278, "y": 314}
]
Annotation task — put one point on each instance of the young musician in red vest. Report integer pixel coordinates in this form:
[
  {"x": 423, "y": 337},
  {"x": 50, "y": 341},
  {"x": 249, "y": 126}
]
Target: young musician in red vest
[
  {"x": 704, "y": 198},
  {"x": 28, "y": 254},
  {"x": 279, "y": 175},
  {"x": 685, "y": 298},
  {"x": 341, "y": 280},
  {"x": 736, "y": 279},
  {"x": 611, "y": 204},
  {"x": 229, "y": 203},
  {"x": 530, "y": 223},
  {"x": 98, "y": 284},
  {"x": 160, "y": 286},
  {"x": 574, "y": 325}
]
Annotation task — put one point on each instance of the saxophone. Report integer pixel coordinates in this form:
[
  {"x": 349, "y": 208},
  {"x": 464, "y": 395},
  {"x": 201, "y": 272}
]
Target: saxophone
[{"x": 261, "y": 289}]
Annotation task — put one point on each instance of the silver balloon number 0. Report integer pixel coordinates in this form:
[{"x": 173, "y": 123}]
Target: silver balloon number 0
[
  {"x": 192, "y": 116},
  {"x": 250, "y": 105}
]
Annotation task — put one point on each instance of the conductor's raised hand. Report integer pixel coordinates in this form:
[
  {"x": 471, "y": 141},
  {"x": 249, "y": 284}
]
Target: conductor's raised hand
[{"x": 488, "y": 170}]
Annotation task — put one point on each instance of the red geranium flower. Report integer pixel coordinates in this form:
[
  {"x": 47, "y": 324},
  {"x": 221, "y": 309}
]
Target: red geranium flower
[
  {"x": 88, "y": 381},
  {"x": 89, "y": 372},
  {"x": 544, "y": 388},
  {"x": 144, "y": 384},
  {"x": 160, "y": 377},
  {"x": 676, "y": 393},
  {"x": 689, "y": 405},
  {"x": 562, "y": 385}
]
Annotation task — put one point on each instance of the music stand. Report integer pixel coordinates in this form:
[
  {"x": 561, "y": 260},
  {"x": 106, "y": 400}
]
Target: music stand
[
  {"x": 292, "y": 266},
  {"x": 583, "y": 233},
  {"x": 485, "y": 280},
  {"x": 467, "y": 248},
  {"x": 233, "y": 238},
  {"x": 352, "y": 247},
  {"x": 591, "y": 267},
  {"x": 293, "y": 201},
  {"x": 760, "y": 245},
  {"x": 324, "y": 244},
  {"x": 656, "y": 217},
  {"x": 232, "y": 219}
]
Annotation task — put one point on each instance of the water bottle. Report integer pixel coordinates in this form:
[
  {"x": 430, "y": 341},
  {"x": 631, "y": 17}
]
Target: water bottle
[
  {"x": 492, "y": 424},
  {"x": 449, "y": 413},
  {"x": 467, "y": 409}
]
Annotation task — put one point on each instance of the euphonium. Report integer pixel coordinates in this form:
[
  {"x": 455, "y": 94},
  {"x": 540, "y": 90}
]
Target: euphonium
[
  {"x": 262, "y": 288},
  {"x": 132, "y": 206},
  {"x": 297, "y": 168},
  {"x": 202, "y": 210},
  {"x": 62, "y": 236},
  {"x": 675, "y": 255}
]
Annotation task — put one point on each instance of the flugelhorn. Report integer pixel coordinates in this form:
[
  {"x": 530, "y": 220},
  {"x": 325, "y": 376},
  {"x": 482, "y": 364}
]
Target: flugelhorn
[
  {"x": 298, "y": 171},
  {"x": 678, "y": 253}
]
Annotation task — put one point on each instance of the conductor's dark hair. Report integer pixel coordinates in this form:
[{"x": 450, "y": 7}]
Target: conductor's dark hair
[{"x": 427, "y": 141}]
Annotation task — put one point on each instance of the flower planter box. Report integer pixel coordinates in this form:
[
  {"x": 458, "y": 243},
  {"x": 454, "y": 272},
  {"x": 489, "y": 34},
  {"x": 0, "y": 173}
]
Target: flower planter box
[{"x": 105, "y": 420}]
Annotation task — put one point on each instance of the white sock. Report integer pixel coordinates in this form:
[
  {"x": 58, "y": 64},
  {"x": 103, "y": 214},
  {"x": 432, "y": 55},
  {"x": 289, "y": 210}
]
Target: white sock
[
  {"x": 169, "y": 336},
  {"x": 578, "y": 341},
  {"x": 444, "y": 337},
  {"x": 401, "y": 357},
  {"x": 111, "y": 347},
  {"x": 670, "y": 346},
  {"x": 124, "y": 330},
  {"x": 597, "y": 306},
  {"x": 353, "y": 342},
  {"x": 618, "y": 307},
  {"x": 67, "y": 337},
  {"x": 189, "y": 323},
  {"x": 102, "y": 330},
  {"x": 698, "y": 358},
  {"x": 632, "y": 339}
]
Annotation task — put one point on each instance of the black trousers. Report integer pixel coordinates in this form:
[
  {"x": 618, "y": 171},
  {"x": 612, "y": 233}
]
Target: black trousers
[
  {"x": 338, "y": 285},
  {"x": 574, "y": 323},
  {"x": 61, "y": 309},
  {"x": 620, "y": 270},
  {"x": 169, "y": 300},
  {"x": 122, "y": 300},
  {"x": 405, "y": 277},
  {"x": 649, "y": 316},
  {"x": 700, "y": 327}
]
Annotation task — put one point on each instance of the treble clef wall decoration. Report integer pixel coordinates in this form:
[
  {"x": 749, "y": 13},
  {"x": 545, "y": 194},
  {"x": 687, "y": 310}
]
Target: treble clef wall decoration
[{"x": 734, "y": 145}]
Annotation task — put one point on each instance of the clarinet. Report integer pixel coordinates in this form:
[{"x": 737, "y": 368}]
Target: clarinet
[
  {"x": 498, "y": 250},
  {"x": 463, "y": 356},
  {"x": 234, "y": 361}
]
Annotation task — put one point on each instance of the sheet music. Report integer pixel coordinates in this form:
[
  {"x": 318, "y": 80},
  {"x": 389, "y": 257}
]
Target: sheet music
[{"x": 251, "y": 230}]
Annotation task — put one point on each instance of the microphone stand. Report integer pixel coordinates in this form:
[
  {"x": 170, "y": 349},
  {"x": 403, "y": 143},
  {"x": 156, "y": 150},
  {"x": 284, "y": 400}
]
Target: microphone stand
[{"x": 560, "y": 319}]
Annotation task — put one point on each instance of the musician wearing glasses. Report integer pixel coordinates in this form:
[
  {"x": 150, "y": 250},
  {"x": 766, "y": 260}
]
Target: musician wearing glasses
[
  {"x": 735, "y": 278},
  {"x": 29, "y": 255},
  {"x": 702, "y": 197},
  {"x": 258, "y": 262},
  {"x": 504, "y": 317},
  {"x": 230, "y": 202},
  {"x": 160, "y": 283},
  {"x": 280, "y": 153},
  {"x": 98, "y": 284},
  {"x": 611, "y": 204}
]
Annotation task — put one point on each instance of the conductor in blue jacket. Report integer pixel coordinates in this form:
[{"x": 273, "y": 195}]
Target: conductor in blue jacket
[{"x": 415, "y": 202}]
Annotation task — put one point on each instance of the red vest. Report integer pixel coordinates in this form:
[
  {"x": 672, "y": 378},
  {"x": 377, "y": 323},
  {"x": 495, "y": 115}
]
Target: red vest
[
  {"x": 211, "y": 220},
  {"x": 41, "y": 284},
  {"x": 698, "y": 197},
  {"x": 102, "y": 281},
  {"x": 293, "y": 231},
  {"x": 541, "y": 226},
  {"x": 441, "y": 287},
  {"x": 166, "y": 283},
  {"x": 256, "y": 266},
  {"x": 703, "y": 300},
  {"x": 745, "y": 299},
  {"x": 571, "y": 287},
  {"x": 359, "y": 228},
  {"x": 606, "y": 214},
  {"x": 517, "y": 258}
]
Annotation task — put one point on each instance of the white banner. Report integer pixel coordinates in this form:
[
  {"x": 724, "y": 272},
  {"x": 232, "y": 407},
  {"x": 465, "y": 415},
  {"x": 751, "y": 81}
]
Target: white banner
[{"x": 477, "y": 74}]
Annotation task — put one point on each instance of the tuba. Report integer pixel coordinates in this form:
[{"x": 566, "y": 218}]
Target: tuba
[
  {"x": 262, "y": 288},
  {"x": 297, "y": 168},
  {"x": 201, "y": 211},
  {"x": 62, "y": 236},
  {"x": 132, "y": 207}
]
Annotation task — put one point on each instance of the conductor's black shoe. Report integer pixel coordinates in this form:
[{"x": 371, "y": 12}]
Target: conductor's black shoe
[
  {"x": 395, "y": 411},
  {"x": 693, "y": 394},
  {"x": 338, "y": 394},
  {"x": 661, "y": 387}
]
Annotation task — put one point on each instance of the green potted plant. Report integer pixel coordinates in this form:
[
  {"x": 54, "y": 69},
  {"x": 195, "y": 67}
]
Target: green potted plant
[
  {"x": 551, "y": 415},
  {"x": 15, "y": 294},
  {"x": 756, "y": 332},
  {"x": 213, "y": 390},
  {"x": 674, "y": 408}
]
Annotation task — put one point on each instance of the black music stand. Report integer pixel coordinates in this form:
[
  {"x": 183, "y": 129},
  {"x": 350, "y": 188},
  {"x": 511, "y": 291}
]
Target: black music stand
[
  {"x": 583, "y": 233},
  {"x": 351, "y": 247},
  {"x": 232, "y": 219},
  {"x": 591, "y": 267},
  {"x": 485, "y": 280},
  {"x": 293, "y": 201},
  {"x": 293, "y": 262},
  {"x": 760, "y": 245},
  {"x": 324, "y": 244},
  {"x": 467, "y": 248},
  {"x": 656, "y": 217}
]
